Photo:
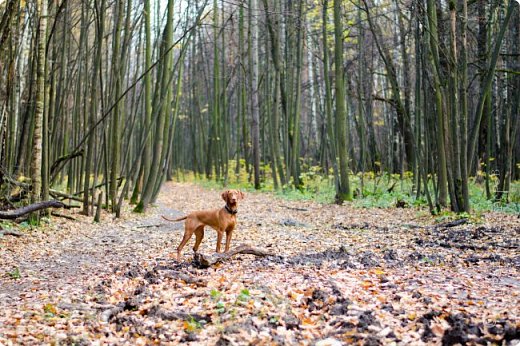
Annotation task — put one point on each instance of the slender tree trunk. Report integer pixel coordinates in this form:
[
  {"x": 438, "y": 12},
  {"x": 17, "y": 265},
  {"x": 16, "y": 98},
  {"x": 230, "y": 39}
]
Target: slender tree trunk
[
  {"x": 439, "y": 106},
  {"x": 331, "y": 138},
  {"x": 36, "y": 155},
  {"x": 48, "y": 102},
  {"x": 74, "y": 175},
  {"x": 464, "y": 105},
  {"x": 216, "y": 114},
  {"x": 361, "y": 114},
  {"x": 96, "y": 70},
  {"x": 341, "y": 112},
  {"x": 240, "y": 93},
  {"x": 406, "y": 79},
  {"x": 117, "y": 75},
  {"x": 255, "y": 107},
  {"x": 296, "y": 102},
  {"x": 147, "y": 88}
]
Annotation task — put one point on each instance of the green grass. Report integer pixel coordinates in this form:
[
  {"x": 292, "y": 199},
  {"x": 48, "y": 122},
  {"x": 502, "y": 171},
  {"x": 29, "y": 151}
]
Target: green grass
[
  {"x": 14, "y": 274},
  {"x": 377, "y": 190}
]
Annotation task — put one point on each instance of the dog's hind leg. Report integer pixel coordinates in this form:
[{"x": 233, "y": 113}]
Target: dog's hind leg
[
  {"x": 199, "y": 235},
  {"x": 188, "y": 232}
]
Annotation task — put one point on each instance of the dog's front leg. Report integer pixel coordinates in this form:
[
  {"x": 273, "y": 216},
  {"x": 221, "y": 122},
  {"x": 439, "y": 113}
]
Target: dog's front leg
[
  {"x": 229, "y": 233},
  {"x": 219, "y": 239}
]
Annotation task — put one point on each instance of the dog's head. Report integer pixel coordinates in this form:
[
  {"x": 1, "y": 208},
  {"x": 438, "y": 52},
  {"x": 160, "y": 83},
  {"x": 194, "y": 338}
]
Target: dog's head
[{"x": 232, "y": 196}]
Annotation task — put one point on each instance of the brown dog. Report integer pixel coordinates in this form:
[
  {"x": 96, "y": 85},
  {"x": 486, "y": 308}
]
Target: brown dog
[{"x": 222, "y": 220}]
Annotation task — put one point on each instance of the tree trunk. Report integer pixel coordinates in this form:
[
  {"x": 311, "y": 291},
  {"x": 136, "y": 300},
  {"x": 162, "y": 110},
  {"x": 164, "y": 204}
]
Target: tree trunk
[
  {"x": 36, "y": 156},
  {"x": 464, "y": 106},
  {"x": 331, "y": 138},
  {"x": 341, "y": 112},
  {"x": 255, "y": 107},
  {"x": 439, "y": 105},
  {"x": 117, "y": 75},
  {"x": 92, "y": 117}
]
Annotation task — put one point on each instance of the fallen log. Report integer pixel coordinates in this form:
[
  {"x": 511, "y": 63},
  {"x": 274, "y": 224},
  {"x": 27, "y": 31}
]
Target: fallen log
[
  {"x": 59, "y": 194},
  {"x": 14, "y": 214},
  {"x": 10, "y": 232},
  {"x": 201, "y": 260},
  {"x": 451, "y": 223},
  {"x": 68, "y": 217}
]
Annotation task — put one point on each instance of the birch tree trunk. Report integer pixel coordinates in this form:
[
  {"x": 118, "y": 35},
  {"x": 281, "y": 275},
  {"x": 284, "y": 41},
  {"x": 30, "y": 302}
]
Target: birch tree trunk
[
  {"x": 255, "y": 111},
  {"x": 36, "y": 156}
]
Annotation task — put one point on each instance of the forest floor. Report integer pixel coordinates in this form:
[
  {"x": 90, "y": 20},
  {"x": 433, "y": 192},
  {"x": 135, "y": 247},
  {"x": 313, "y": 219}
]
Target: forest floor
[{"x": 338, "y": 275}]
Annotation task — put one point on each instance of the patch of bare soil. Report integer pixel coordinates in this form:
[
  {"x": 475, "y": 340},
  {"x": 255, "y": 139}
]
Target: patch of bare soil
[{"x": 338, "y": 275}]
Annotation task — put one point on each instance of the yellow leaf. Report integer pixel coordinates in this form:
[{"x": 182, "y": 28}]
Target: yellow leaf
[
  {"x": 366, "y": 284},
  {"x": 295, "y": 294},
  {"x": 188, "y": 327},
  {"x": 307, "y": 322},
  {"x": 251, "y": 304},
  {"x": 49, "y": 308},
  {"x": 379, "y": 271}
]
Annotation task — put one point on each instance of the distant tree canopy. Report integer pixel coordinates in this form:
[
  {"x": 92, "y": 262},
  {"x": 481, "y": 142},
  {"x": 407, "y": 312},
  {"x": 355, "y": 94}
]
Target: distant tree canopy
[{"x": 118, "y": 96}]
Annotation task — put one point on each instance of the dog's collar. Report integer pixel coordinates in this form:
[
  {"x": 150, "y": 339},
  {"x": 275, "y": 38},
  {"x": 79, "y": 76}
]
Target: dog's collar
[{"x": 231, "y": 211}]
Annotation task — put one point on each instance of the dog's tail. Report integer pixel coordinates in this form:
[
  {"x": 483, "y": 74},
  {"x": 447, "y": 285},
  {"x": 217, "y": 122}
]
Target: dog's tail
[{"x": 174, "y": 220}]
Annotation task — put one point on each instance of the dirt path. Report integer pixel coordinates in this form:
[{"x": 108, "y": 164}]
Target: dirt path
[
  {"x": 340, "y": 275},
  {"x": 66, "y": 254}
]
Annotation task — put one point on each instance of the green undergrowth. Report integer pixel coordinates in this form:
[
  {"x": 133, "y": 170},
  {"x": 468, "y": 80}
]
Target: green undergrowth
[{"x": 370, "y": 190}]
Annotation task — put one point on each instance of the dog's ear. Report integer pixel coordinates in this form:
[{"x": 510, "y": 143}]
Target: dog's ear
[
  {"x": 242, "y": 195},
  {"x": 225, "y": 195}
]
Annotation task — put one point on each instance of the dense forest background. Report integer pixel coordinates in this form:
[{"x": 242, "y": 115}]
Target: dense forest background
[{"x": 105, "y": 100}]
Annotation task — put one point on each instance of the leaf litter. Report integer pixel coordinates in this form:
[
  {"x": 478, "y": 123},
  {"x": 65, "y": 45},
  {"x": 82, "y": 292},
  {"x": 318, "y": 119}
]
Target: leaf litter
[{"x": 338, "y": 275}]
